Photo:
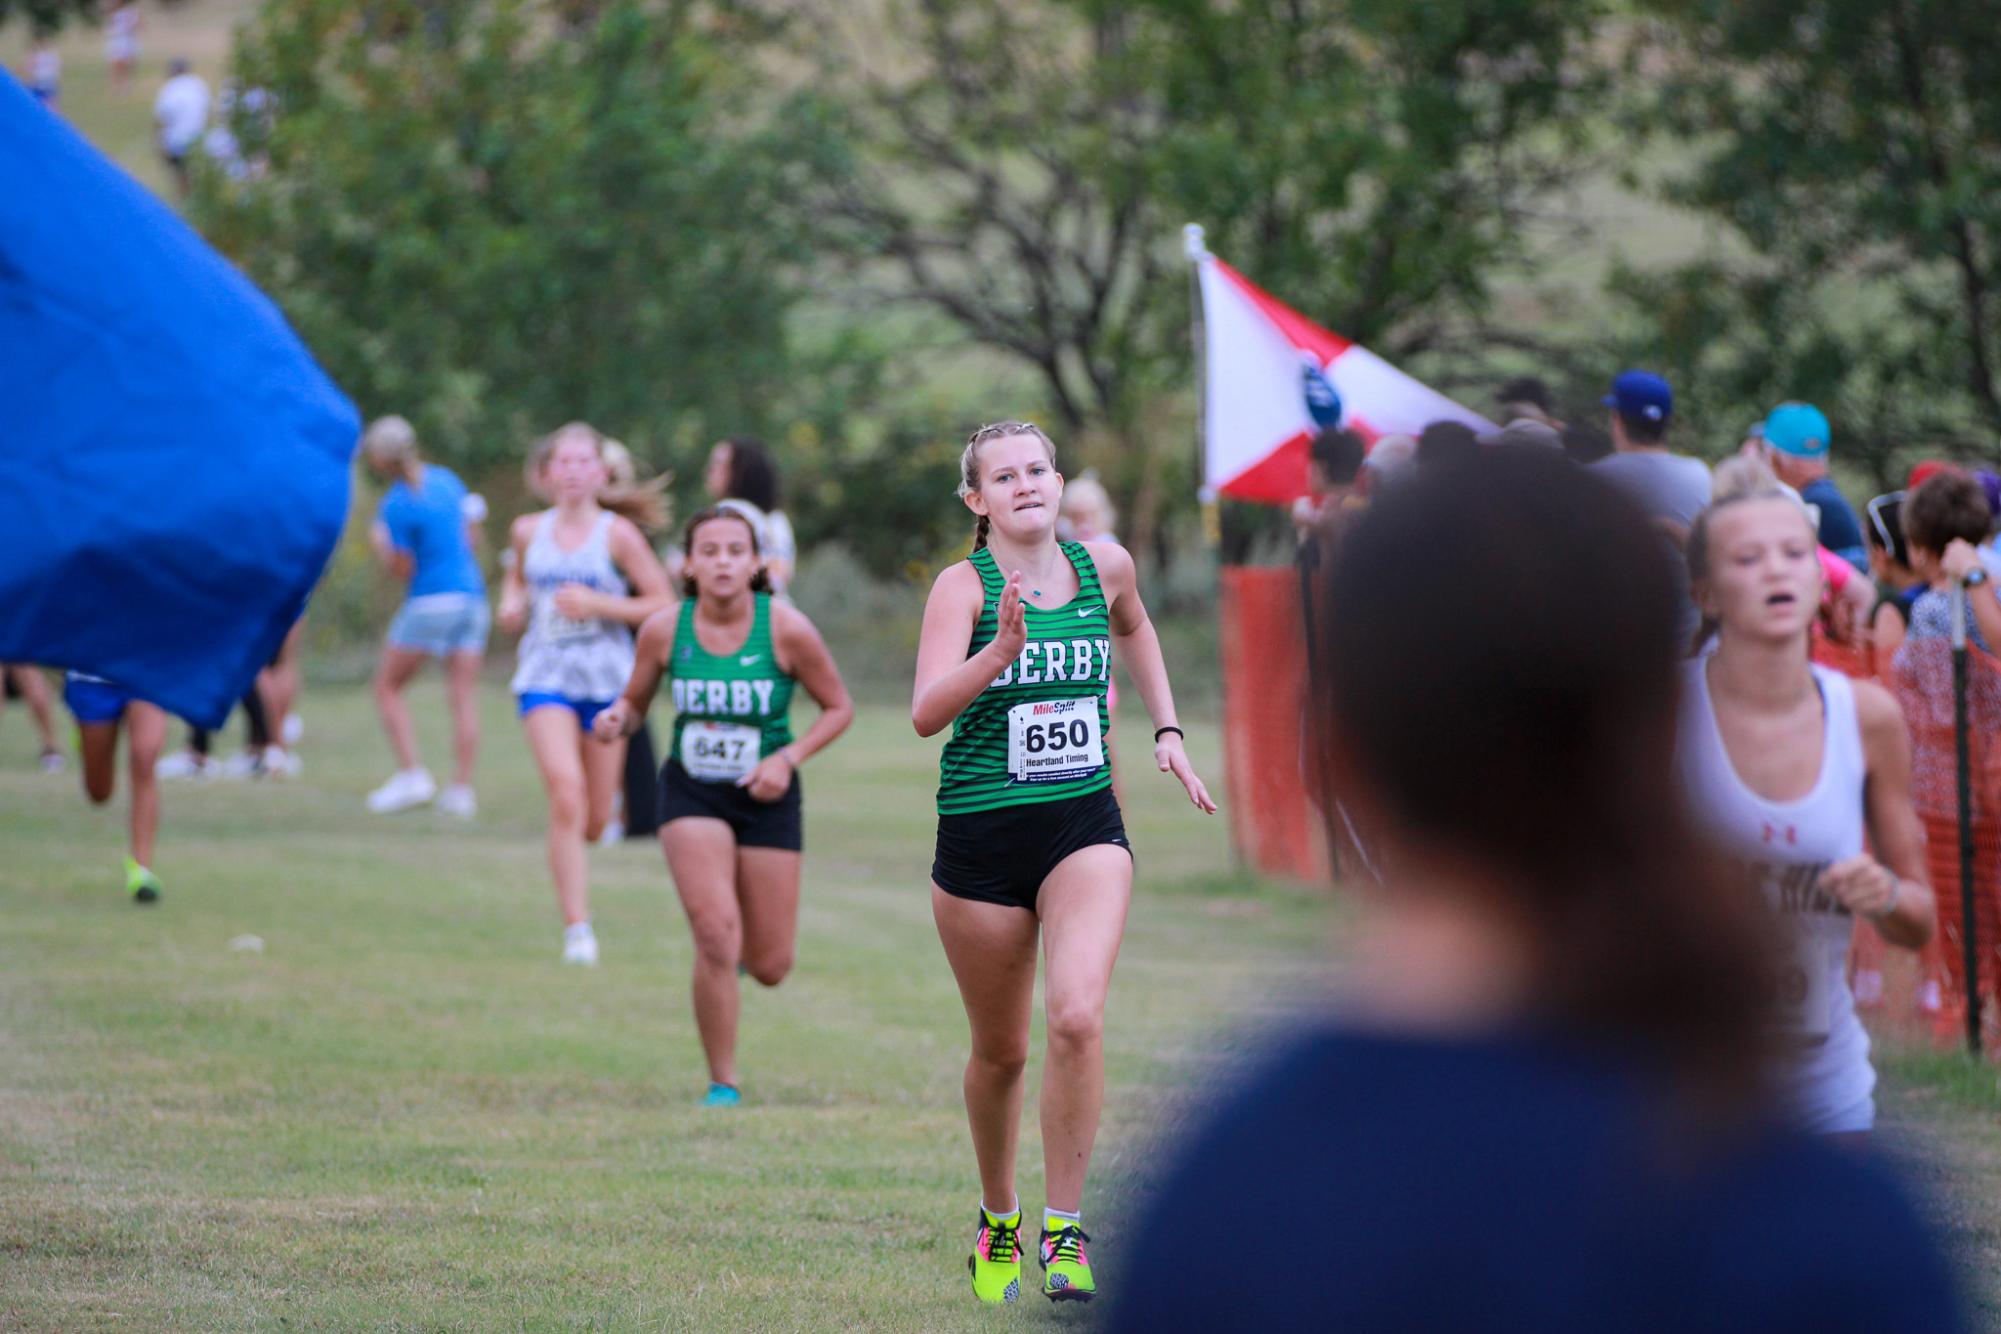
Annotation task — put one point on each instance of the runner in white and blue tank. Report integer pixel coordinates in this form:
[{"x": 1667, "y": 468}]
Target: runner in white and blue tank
[
  {"x": 731, "y": 805},
  {"x": 1788, "y": 766},
  {"x": 568, "y": 585},
  {"x": 1015, "y": 657}
]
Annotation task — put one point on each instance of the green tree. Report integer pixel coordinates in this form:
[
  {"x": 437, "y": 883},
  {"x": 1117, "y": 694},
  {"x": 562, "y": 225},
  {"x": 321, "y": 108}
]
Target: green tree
[
  {"x": 497, "y": 217},
  {"x": 1023, "y": 169},
  {"x": 47, "y": 17},
  {"x": 1384, "y": 165},
  {"x": 1851, "y": 152}
]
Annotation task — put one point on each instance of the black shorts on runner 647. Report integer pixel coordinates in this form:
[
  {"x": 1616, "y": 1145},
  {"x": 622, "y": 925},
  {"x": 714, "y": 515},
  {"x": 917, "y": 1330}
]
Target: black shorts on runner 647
[{"x": 757, "y": 824}]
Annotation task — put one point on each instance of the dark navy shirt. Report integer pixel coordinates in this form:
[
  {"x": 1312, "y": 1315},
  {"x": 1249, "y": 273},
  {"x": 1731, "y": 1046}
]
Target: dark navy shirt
[
  {"x": 1840, "y": 530},
  {"x": 1370, "y": 1183}
]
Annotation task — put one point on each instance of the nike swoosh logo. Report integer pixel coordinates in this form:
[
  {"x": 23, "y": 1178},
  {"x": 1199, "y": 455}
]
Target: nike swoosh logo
[
  {"x": 750, "y": 659},
  {"x": 1085, "y": 612}
]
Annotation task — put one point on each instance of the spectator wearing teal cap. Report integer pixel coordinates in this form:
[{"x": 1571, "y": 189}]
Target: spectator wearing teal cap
[{"x": 1796, "y": 444}]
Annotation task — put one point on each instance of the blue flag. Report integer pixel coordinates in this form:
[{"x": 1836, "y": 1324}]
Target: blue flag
[{"x": 176, "y": 465}]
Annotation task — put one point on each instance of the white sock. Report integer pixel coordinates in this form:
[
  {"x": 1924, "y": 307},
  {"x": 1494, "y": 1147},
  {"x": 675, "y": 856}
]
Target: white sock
[
  {"x": 577, "y": 931},
  {"x": 1001, "y": 1215},
  {"x": 1055, "y": 1220}
]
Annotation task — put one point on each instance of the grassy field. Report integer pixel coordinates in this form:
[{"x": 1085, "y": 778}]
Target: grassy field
[{"x": 405, "y": 1112}]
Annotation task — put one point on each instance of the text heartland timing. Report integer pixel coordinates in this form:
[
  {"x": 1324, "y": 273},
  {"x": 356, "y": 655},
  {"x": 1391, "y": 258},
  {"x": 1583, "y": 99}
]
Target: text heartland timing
[{"x": 1043, "y": 661}]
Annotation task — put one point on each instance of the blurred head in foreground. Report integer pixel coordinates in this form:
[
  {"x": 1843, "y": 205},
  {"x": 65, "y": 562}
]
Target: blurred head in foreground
[
  {"x": 1509, "y": 757},
  {"x": 1545, "y": 1105}
]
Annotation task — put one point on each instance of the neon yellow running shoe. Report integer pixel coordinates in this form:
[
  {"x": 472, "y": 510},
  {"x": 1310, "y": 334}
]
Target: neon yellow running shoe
[
  {"x": 141, "y": 883},
  {"x": 995, "y": 1263},
  {"x": 1066, "y": 1272}
]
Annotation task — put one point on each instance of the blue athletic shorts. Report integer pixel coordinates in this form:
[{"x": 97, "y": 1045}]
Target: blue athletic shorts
[
  {"x": 93, "y": 699},
  {"x": 587, "y": 710},
  {"x": 442, "y": 624}
]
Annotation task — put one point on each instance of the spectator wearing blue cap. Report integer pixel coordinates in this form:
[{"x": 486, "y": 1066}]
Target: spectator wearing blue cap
[
  {"x": 1671, "y": 489},
  {"x": 1796, "y": 445}
]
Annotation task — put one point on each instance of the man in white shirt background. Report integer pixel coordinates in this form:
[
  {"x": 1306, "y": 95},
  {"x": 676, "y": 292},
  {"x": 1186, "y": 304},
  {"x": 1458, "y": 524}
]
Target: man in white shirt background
[{"x": 180, "y": 114}]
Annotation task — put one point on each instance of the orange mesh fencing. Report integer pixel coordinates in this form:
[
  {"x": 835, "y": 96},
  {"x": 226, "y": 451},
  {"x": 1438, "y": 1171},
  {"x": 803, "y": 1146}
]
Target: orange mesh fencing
[
  {"x": 1857, "y": 660},
  {"x": 1272, "y": 821},
  {"x": 1921, "y": 678},
  {"x": 1922, "y": 991}
]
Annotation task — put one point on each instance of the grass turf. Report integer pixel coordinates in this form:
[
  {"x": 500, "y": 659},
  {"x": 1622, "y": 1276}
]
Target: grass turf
[{"x": 405, "y": 1112}]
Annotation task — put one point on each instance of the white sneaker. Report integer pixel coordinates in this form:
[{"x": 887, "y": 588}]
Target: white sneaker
[
  {"x": 281, "y": 763},
  {"x": 405, "y": 788},
  {"x": 458, "y": 800},
  {"x": 243, "y": 764},
  {"x": 52, "y": 762},
  {"x": 580, "y": 945},
  {"x": 294, "y": 728},
  {"x": 185, "y": 764},
  {"x": 613, "y": 834}
]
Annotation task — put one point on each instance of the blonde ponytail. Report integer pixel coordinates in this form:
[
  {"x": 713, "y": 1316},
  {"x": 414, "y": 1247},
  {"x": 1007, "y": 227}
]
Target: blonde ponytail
[{"x": 392, "y": 442}]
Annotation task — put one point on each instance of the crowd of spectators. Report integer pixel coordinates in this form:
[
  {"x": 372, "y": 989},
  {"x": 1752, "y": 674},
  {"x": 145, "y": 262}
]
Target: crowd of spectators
[{"x": 1890, "y": 569}]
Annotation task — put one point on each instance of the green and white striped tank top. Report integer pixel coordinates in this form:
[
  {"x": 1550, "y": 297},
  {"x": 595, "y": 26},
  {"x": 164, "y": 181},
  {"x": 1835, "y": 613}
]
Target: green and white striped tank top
[
  {"x": 1038, "y": 732},
  {"x": 730, "y": 709}
]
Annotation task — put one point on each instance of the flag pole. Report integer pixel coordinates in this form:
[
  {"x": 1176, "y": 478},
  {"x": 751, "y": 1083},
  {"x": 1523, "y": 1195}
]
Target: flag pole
[
  {"x": 1968, "y": 920},
  {"x": 1195, "y": 247}
]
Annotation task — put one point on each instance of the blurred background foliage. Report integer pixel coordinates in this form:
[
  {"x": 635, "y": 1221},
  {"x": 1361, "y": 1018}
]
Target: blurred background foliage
[{"x": 860, "y": 229}]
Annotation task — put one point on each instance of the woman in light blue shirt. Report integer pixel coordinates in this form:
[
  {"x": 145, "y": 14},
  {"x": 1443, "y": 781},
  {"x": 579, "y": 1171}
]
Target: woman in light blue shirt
[{"x": 425, "y": 532}]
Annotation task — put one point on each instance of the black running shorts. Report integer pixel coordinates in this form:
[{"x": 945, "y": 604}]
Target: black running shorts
[
  {"x": 756, "y": 824},
  {"x": 1003, "y": 856}
]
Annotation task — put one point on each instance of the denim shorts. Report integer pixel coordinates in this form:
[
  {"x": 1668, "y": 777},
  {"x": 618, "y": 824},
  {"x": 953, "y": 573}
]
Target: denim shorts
[{"x": 441, "y": 624}]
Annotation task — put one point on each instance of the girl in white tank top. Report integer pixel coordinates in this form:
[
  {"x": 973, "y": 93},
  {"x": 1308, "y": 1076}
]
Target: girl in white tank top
[
  {"x": 1788, "y": 766},
  {"x": 579, "y": 658},
  {"x": 568, "y": 585}
]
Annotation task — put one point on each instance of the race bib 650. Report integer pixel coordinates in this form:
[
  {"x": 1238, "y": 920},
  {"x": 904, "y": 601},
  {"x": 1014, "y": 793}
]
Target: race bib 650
[{"x": 1051, "y": 740}]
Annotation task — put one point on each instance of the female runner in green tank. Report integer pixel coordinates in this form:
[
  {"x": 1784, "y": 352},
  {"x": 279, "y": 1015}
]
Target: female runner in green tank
[
  {"x": 1016, "y": 650},
  {"x": 729, "y": 793}
]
